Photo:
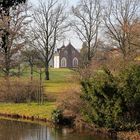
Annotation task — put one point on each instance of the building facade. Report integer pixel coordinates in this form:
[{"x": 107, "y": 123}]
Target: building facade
[{"x": 66, "y": 57}]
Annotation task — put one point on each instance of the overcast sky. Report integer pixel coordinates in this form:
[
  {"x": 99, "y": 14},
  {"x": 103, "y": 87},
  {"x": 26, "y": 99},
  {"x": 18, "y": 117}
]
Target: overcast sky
[
  {"x": 70, "y": 1},
  {"x": 70, "y": 37}
]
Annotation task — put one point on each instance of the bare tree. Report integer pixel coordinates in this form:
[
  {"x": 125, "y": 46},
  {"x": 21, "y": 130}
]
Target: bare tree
[
  {"x": 13, "y": 28},
  {"x": 49, "y": 25},
  {"x": 86, "y": 23},
  {"x": 120, "y": 18},
  {"x": 31, "y": 57}
]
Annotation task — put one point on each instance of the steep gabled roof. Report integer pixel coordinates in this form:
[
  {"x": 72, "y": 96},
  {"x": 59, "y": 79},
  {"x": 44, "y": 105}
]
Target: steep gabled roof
[{"x": 71, "y": 46}]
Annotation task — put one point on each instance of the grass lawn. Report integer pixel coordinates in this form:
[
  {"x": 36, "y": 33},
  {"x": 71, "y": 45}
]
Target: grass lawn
[
  {"x": 32, "y": 109},
  {"x": 60, "y": 81}
]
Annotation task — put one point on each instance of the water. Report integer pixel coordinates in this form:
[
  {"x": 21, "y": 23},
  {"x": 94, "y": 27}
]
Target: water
[{"x": 14, "y": 130}]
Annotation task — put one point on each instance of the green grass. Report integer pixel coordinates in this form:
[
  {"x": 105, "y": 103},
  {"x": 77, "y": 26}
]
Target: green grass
[
  {"x": 33, "y": 109},
  {"x": 56, "y": 75},
  {"x": 60, "y": 81}
]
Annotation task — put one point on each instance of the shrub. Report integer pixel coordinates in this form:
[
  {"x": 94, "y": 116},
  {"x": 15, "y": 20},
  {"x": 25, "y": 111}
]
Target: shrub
[
  {"x": 57, "y": 116},
  {"x": 18, "y": 91},
  {"x": 129, "y": 86},
  {"x": 112, "y": 101},
  {"x": 103, "y": 101},
  {"x": 71, "y": 101}
]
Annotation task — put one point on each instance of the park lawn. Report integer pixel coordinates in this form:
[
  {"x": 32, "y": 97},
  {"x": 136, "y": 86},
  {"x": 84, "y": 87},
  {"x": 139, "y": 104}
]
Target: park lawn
[
  {"x": 55, "y": 74},
  {"x": 60, "y": 80},
  {"x": 32, "y": 109}
]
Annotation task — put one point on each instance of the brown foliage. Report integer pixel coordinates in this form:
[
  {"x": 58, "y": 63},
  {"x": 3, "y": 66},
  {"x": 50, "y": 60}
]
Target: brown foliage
[
  {"x": 71, "y": 102},
  {"x": 17, "y": 90},
  {"x": 113, "y": 60}
]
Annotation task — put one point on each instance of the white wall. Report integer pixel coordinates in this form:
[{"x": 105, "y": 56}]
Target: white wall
[{"x": 56, "y": 61}]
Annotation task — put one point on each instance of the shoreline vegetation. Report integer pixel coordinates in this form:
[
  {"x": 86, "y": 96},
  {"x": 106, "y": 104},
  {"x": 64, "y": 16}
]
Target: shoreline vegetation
[
  {"x": 86, "y": 128},
  {"x": 27, "y": 111},
  {"x": 42, "y": 113},
  {"x": 13, "y": 106},
  {"x": 34, "y": 111}
]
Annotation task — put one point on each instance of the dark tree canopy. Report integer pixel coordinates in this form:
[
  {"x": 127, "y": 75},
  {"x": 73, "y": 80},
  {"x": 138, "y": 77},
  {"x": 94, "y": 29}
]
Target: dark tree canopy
[{"x": 10, "y": 3}]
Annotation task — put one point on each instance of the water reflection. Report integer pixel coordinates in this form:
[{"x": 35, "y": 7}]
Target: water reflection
[{"x": 13, "y": 130}]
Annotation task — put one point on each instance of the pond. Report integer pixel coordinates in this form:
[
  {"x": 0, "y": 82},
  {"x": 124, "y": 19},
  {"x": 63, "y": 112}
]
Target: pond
[{"x": 15, "y": 130}]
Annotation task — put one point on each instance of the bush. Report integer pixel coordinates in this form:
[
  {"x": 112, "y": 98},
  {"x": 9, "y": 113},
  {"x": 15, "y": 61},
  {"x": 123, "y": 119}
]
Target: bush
[
  {"x": 102, "y": 99},
  {"x": 129, "y": 86},
  {"x": 71, "y": 101},
  {"x": 112, "y": 101},
  {"x": 18, "y": 91},
  {"x": 57, "y": 116}
]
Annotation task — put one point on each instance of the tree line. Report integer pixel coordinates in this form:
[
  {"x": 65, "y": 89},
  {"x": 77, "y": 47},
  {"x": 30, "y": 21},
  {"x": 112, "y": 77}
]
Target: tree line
[{"x": 31, "y": 33}]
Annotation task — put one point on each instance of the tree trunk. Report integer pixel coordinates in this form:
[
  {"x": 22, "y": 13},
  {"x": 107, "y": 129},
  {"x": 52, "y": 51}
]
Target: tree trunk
[
  {"x": 47, "y": 77},
  {"x": 31, "y": 72},
  {"x": 19, "y": 72},
  {"x": 6, "y": 52},
  {"x": 89, "y": 52},
  {"x": 7, "y": 65}
]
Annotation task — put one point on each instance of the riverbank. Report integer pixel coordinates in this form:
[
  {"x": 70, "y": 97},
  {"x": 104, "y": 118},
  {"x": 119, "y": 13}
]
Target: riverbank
[
  {"x": 30, "y": 111},
  {"x": 114, "y": 135},
  {"x": 42, "y": 113},
  {"x": 59, "y": 85}
]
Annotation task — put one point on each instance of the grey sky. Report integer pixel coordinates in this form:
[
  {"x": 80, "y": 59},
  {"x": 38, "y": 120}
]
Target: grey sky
[
  {"x": 70, "y": 37},
  {"x": 72, "y": 2}
]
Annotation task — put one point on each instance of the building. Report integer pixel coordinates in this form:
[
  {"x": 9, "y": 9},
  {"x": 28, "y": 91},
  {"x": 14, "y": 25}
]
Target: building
[{"x": 66, "y": 57}]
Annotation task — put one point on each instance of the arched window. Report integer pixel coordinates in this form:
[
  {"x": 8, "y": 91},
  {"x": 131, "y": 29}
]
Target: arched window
[
  {"x": 75, "y": 62},
  {"x": 63, "y": 62}
]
